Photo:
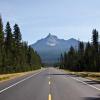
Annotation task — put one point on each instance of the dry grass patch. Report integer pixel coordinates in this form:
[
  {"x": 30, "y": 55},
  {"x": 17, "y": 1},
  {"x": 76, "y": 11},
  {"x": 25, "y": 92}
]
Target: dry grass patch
[
  {"x": 5, "y": 77},
  {"x": 89, "y": 75}
]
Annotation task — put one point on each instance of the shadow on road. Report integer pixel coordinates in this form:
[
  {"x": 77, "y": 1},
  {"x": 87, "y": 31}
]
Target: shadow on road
[
  {"x": 62, "y": 74},
  {"x": 91, "y": 98},
  {"x": 92, "y": 82}
]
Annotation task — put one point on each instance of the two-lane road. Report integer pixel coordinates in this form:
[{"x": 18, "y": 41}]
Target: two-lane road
[{"x": 50, "y": 84}]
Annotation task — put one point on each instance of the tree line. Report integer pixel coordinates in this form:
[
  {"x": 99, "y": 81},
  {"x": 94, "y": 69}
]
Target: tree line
[
  {"x": 15, "y": 54},
  {"x": 85, "y": 58}
]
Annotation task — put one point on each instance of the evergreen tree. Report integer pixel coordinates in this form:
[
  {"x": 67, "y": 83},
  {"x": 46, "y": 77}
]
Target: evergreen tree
[
  {"x": 17, "y": 34},
  {"x": 81, "y": 56},
  {"x": 71, "y": 59},
  {"x": 8, "y": 47},
  {"x": 62, "y": 61},
  {"x": 17, "y": 45},
  {"x": 87, "y": 58},
  {"x": 95, "y": 39},
  {"x": 81, "y": 48},
  {"x": 95, "y": 49},
  {"x": 1, "y": 32},
  {"x": 9, "y": 36},
  {"x": 15, "y": 55},
  {"x": 65, "y": 60},
  {"x": 88, "y": 61},
  {"x": 1, "y": 43}
]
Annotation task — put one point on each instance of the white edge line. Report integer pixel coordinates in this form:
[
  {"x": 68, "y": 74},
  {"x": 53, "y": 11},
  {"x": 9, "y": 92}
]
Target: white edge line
[
  {"x": 18, "y": 82},
  {"x": 86, "y": 83}
]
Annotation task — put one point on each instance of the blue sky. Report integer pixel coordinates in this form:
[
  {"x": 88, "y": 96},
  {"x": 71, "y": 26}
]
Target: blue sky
[{"x": 64, "y": 18}]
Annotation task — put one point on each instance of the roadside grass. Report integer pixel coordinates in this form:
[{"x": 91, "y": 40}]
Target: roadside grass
[
  {"x": 89, "y": 75},
  {"x": 5, "y": 77}
]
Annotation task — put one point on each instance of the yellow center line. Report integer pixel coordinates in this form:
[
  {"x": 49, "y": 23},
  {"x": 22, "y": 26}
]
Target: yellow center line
[{"x": 49, "y": 97}]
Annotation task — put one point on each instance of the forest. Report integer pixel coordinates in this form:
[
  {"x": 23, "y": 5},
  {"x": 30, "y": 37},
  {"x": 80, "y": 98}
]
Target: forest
[
  {"x": 15, "y": 54},
  {"x": 85, "y": 58}
]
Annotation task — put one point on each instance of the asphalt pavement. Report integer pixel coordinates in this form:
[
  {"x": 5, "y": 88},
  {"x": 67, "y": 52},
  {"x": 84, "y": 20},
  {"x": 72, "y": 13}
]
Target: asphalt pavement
[{"x": 50, "y": 84}]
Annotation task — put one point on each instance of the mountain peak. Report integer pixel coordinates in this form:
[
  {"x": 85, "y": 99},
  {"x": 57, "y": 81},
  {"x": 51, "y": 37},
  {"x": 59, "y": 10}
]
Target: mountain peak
[
  {"x": 72, "y": 39},
  {"x": 51, "y": 40},
  {"x": 51, "y": 36}
]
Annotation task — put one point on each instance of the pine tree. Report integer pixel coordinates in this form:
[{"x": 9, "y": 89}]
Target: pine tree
[
  {"x": 81, "y": 48},
  {"x": 1, "y": 44},
  {"x": 81, "y": 56},
  {"x": 9, "y": 46},
  {"x": 30, "y": 59},
  {"x": 9, "y": 36},
  {"x": 17, "y": 45},
  {"x": 88, "y": 61},
  {"x": 71, "y": 58},
  {"x": 65, "y": 60},
  {"x": 15, "y": 55},
  {"x": 95, "y": 39},
  {"x": 62, "y": 61},
  {"x": 1, "y": 32},
  {"x": 17, "y": 34},
  {"x": 95, "y": 49}
]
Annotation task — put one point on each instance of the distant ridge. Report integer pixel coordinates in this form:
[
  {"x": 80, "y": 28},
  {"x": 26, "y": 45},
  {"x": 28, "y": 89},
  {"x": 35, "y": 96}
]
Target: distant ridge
[{"x": 51, "y": 47}]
